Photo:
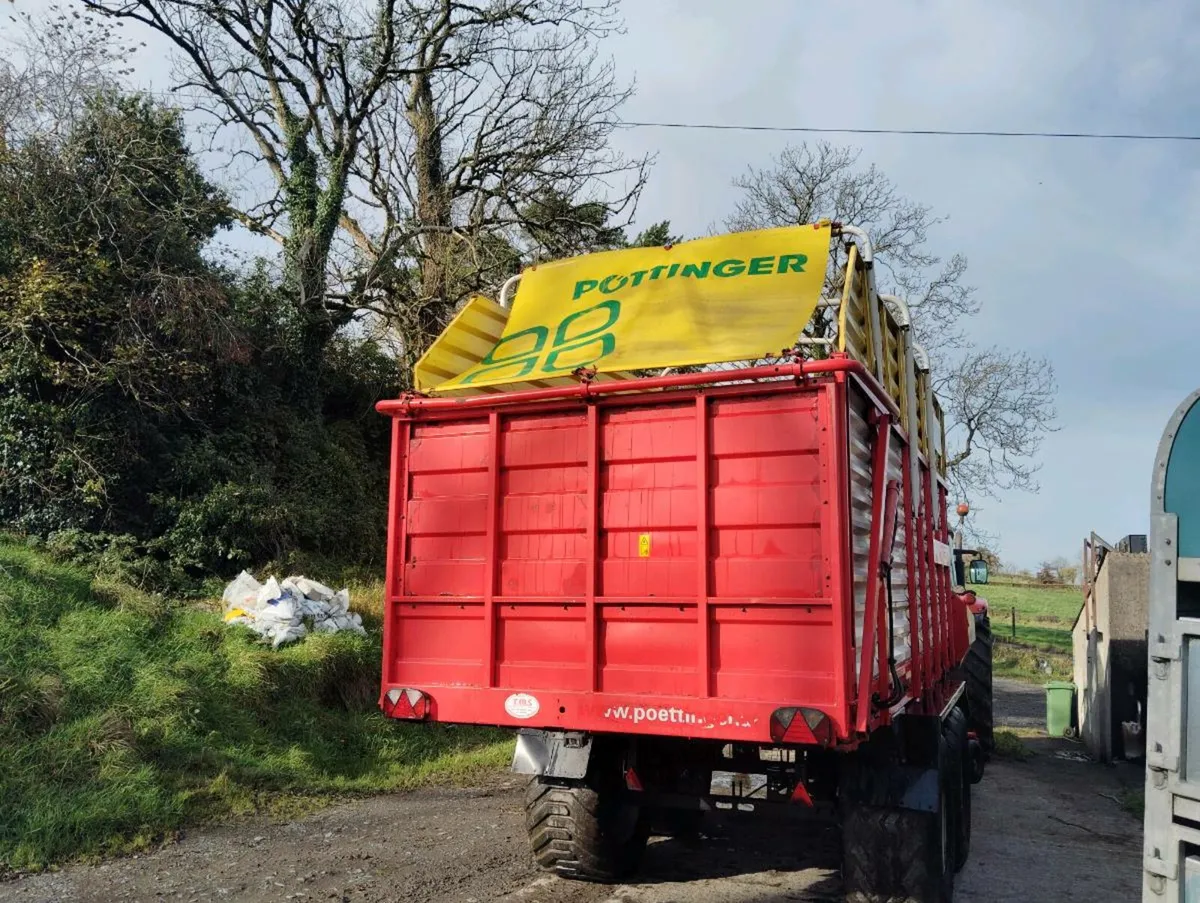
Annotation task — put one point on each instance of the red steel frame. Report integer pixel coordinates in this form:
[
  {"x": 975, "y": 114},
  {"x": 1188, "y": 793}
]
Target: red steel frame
[{"x": 457, "y": 690}]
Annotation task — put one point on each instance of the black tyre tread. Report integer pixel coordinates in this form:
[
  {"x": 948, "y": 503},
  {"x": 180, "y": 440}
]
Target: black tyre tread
[
  {"x": 960, "y": 787},
  {"x": 894, "y": 848},
  {"x": 567, "y": 834},
  {"x": 889, "y": 844},
  {"x": 979, "y": 684}
]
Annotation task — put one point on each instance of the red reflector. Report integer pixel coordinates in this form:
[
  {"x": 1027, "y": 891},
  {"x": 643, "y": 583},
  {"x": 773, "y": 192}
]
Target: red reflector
[
  {"x": 406, "y": 703},
  {"x": 803, "y": 727},
  {"x": 800, "y": 795},
  {"x": 632, "y": 781}
]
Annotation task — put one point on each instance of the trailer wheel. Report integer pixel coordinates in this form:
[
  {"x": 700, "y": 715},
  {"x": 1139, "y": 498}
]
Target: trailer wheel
[
  {"x": 979, "y": 684},
  {"x": 960, "y": 785},
  {"x": 895, "y": 855},
  {"x": 585, "y": 832}
]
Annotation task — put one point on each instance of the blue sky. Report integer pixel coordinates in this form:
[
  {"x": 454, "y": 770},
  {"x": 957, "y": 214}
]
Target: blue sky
[{"x": 1085, "y": 252}]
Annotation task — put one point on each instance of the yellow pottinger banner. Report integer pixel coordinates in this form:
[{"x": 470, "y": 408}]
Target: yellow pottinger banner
[{"x": 727, "y": 298}]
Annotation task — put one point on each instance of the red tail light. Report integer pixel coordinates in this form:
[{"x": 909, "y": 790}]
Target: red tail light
[
  {"x": 408, "y": 704},
  {"x": 632, "y": 781},
  {"x": 803, "y": 727}
]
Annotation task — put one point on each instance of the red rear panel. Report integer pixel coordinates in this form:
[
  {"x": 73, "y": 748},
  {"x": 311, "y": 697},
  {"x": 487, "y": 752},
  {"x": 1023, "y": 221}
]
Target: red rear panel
[{"x": 670, "y": 563}]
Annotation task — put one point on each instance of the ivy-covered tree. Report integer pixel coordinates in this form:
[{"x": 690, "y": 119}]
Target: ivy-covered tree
[
  {"x": 151, "y": 400},
  {"x": 104, "y": 299}
]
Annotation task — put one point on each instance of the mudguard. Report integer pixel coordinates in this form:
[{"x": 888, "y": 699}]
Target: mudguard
[{"x": 552, "y": 754}]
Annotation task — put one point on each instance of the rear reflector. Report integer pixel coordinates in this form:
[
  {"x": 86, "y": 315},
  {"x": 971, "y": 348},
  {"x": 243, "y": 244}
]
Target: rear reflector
[
  {"x": 409, "y": 704},
  {"x": 803, "y": 727},
  {"x": 801, "y": 795},
  {"x": 632, "y": 781}
]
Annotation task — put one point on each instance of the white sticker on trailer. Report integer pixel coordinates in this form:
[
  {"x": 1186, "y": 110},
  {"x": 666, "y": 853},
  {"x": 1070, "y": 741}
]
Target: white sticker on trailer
[
  {"x": 941, "y": 553},
  {"x": 522, "y": 705}
]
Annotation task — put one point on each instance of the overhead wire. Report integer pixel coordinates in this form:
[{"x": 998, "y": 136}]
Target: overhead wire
[
  {"x": 953, "y": 133},
  {"x": 837, "y": 130}
]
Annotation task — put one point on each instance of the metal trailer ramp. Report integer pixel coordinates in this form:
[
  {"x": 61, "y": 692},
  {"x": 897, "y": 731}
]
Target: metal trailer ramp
[{"x": 1171, "y": 859}]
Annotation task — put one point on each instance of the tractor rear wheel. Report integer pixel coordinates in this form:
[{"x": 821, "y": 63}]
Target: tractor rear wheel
[{"x": 979, "y": 684}]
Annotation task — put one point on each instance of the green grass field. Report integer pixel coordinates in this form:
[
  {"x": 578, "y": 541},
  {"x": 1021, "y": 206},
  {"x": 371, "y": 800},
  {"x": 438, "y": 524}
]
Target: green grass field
[
  {"x": 124, "y": 717},
  {"x": 1041, "y": 650}
]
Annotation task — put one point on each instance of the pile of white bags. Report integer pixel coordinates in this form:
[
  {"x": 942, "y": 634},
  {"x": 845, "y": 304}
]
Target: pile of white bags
[{"x": 282, "y": 611}]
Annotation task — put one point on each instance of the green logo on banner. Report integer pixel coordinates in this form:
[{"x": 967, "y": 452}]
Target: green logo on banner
[{"x": 581, "y": 339}]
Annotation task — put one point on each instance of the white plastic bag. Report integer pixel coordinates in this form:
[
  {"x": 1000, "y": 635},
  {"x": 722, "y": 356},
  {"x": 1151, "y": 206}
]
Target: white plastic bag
[
  {"x": 269, "y": 592},
  {"x": 287, "y": 633},
  {"x": 241, "y": 593},
  {"x": 282, "y": 611}
]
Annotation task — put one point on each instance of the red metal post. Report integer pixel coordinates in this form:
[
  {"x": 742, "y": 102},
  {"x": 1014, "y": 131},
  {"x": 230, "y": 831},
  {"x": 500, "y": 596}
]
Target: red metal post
[
  {"x": 395, "y": 540},
  {"x": 591, "y": 627},
  {"x": 920, "y": 544},
  {"x": 891, "y": 499},
  {"x": 948, "y": 603},
  {"x": 935, "y": 595},
  {"x": 835, "y": 532},
  {"x": 916, "y": 620},
  {"x": 492, "y": 543},
  {"x": 702, "y": 533},
  {"x": 871, "y": 612}
]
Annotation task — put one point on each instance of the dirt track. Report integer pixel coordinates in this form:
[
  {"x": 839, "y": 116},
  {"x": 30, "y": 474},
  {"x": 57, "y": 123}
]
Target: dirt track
[{"x": 1045, "y": 830}]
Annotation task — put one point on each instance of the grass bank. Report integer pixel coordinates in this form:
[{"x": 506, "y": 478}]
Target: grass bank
[
  {"x": 124, "y": 717},
  {"x": 1041, "y": 649}
]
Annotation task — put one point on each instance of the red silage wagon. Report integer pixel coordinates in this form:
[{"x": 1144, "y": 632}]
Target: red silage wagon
[{"x": 742, "y": 570}]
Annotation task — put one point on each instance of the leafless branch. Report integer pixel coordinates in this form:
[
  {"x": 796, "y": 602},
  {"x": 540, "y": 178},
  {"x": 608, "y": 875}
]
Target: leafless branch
[
  {"x": 418, "y": 129},
  {"x": 999, "y": 405}
]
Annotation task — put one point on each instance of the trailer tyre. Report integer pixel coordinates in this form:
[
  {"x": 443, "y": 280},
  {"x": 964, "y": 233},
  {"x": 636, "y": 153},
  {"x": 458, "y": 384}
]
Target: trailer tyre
[
  {"x": 895, "y": 855},
  {"x": 584, "y": 833},
  {"x": 959, "y": 785},
  {"x": 979, "y": 684}
]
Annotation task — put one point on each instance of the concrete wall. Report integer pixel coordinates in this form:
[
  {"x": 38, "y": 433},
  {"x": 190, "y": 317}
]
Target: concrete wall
[
  {"x": 1110, "y": 653},
  {"x": 1128, "y": 588},
  {"x": 1090, "y": 642},
  {"x": 1091, "y": 688}
]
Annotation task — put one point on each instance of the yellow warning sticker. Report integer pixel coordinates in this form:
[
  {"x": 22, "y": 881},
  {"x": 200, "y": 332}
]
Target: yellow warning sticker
[{"x": 644, "y": 546}]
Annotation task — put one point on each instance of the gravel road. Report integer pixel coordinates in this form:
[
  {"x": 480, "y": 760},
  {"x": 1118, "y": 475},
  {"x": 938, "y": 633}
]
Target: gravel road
[{"x": 1048, "y": 829}]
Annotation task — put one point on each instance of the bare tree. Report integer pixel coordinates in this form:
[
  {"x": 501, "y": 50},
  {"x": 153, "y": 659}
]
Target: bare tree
[
  {"x": 806, "y": 183},
  {"x": 495, "y": 155},
  {"x": 999, "y": 405},
  {"x": 299, "y": 79},
  {"x": 403, "y": 138},
  {"x": 61, "y": 58}
]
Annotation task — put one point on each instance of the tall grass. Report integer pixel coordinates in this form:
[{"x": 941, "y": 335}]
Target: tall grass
[{"x": 124, "y": 717}]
